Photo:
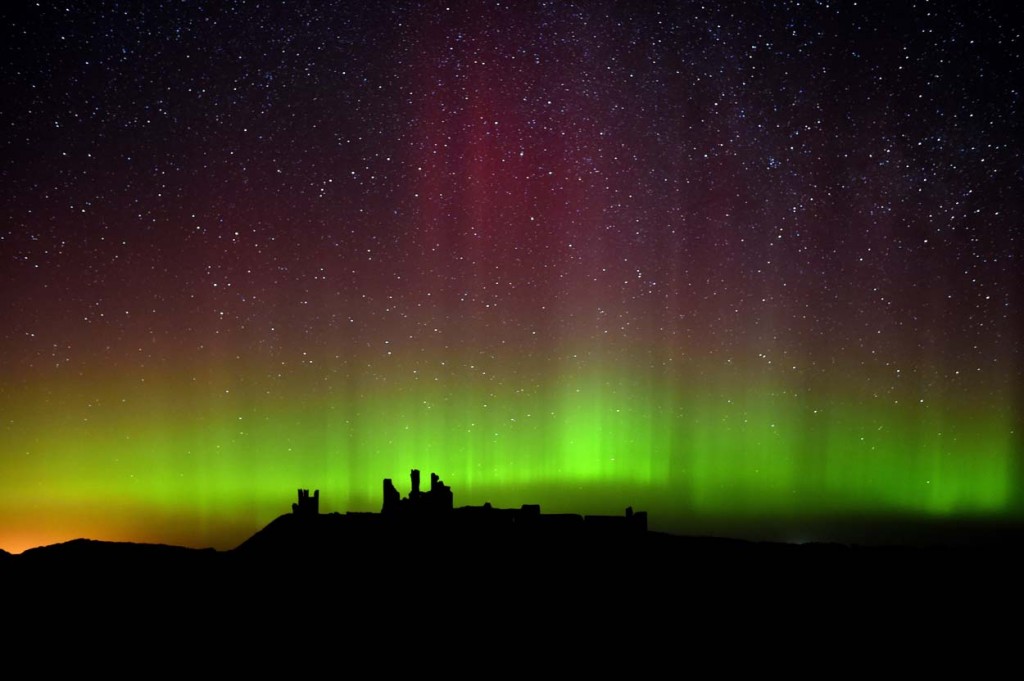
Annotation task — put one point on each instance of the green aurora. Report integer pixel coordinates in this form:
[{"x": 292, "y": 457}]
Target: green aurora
[
  {"x": 755, "y": 268},
  {"x": 208, "y": 462}
]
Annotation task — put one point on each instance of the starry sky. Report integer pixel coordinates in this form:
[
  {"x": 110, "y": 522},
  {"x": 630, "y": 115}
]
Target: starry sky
[{"x": 753, "y": 267}]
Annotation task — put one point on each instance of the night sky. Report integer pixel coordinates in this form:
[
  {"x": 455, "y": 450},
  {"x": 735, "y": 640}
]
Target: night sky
[{"x": 752, "y": 267}]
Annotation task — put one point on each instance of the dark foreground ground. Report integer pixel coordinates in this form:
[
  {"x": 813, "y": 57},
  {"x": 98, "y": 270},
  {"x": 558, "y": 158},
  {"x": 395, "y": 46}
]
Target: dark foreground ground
[
  {"x": 381, "y": 570},
  {"x": 310, "y": 591}
]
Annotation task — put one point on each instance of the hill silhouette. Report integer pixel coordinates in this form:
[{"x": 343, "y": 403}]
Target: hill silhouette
[
  {"x": 83, "y": 552},
  {"x": 510, "y": 558}
]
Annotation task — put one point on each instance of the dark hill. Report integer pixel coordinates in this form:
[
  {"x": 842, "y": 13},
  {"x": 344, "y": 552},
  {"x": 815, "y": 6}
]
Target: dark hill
[
  {"x": 87, "y": 559},
  {"x": 371, "y": 570},
  {"x": 89, "y": 551}
]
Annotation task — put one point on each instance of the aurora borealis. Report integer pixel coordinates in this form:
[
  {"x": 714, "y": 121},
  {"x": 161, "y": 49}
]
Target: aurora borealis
[{"x": 738, "y": 264}]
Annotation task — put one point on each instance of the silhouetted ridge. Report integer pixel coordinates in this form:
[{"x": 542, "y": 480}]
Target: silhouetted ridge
[
  {"x": 90, "y": 550},
  {"x": 473, "y": 552}
]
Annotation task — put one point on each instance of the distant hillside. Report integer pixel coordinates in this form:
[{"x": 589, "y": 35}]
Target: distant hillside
[{"x": 91, "y": 554}]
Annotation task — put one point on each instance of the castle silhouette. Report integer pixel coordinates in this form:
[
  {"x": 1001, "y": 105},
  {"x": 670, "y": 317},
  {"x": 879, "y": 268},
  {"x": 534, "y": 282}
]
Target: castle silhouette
[{"x": 436, "y": 506}]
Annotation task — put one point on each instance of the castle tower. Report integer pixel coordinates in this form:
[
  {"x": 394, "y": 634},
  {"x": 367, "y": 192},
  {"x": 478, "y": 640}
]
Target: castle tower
[
  {"x": 392, "y": 499},
  {"x": 307, "y": 505}
]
